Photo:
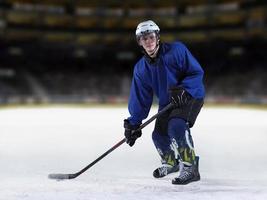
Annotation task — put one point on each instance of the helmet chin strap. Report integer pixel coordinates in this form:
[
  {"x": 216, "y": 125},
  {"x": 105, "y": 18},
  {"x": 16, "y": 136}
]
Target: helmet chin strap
[{"x": 154, "y": 53}]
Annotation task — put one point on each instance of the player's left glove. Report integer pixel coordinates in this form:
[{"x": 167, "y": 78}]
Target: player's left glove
[
  {"x": 130, "y": 134},
  {"x": 179, "y": 97}
]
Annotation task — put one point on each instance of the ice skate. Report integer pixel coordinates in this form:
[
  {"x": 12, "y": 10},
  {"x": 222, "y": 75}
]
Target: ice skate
[
  {"x": 164, "y": 170},
  {"x": 187, "y": 174},
  {"x": 169, "y": 165}
]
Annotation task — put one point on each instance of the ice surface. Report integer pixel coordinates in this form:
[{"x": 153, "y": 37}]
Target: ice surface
[{"x": 231, "y": 142}]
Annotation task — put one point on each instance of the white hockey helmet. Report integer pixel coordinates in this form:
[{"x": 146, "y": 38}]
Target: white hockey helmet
[{"x": 146, "y": 27}]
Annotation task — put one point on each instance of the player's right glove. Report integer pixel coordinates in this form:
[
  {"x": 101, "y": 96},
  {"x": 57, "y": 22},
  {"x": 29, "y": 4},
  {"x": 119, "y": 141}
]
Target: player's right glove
[
  {"x": 179, "y": 97},
  {"x": 130, "y": 134}
]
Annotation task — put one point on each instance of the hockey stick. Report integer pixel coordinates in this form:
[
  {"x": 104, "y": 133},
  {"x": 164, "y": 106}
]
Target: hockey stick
[{"x": 72, "y": 176}]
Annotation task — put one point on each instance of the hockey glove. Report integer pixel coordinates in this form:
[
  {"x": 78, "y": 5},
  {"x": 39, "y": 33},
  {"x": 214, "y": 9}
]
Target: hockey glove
[
  {"x": 179, "y": 96},
  {"x": 130, "y": 134}
]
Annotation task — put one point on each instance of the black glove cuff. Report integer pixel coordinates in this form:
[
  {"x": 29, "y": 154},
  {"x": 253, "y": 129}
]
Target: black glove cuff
[
  {"x": 129, "y": 126},
  {"x": 177, "y": 91}
]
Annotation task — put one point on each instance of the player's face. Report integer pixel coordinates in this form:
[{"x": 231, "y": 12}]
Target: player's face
[{"x": 148, "y": 42}]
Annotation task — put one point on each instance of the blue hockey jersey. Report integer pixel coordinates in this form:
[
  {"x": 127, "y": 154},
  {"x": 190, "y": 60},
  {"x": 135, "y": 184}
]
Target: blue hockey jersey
[{"x": 174, "y": 66}]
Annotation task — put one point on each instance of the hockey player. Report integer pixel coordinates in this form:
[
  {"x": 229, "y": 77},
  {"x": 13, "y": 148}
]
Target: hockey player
[{"x": 170, "y": 72}]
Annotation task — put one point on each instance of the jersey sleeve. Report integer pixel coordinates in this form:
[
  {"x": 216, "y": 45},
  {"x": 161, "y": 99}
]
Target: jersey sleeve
[
  {"x": 192, "y": 72},
  {"x": 140, "y": 99}
]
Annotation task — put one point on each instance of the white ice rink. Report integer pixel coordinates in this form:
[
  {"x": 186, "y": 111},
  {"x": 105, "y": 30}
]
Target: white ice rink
[{"x": 231, "y": 143}]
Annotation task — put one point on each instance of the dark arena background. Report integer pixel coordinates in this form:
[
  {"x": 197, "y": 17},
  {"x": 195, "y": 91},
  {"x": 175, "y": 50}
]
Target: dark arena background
[{"x": 67, "y": 51}]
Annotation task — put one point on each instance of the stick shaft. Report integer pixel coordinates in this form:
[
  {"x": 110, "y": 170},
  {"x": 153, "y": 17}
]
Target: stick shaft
[{"x": 123, "y": 140}]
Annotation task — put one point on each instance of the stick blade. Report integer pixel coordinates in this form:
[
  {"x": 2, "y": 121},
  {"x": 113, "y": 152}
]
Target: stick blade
[{"x": 59, "y": 176}]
